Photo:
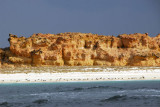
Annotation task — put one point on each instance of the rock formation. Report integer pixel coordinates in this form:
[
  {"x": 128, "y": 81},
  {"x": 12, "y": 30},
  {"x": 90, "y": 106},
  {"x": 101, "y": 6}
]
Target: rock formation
[{"x": 82, "y": 49}]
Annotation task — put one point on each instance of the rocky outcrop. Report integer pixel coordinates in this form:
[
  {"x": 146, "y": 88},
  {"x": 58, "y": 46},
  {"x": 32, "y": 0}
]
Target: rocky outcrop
[
  {"x": 1, "y": 57},
  {"x": 82, "y": 49}
]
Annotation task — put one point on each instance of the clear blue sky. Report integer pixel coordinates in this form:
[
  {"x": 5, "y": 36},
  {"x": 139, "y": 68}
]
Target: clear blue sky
[{"x": 108, "y": 17}]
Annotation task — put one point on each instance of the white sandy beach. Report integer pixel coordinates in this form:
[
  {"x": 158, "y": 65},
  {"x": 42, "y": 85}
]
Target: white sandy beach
[{"x": 81, "y": 76}]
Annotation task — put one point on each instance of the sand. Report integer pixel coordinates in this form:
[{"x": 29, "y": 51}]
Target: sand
[{"x": 80, "y": 76}]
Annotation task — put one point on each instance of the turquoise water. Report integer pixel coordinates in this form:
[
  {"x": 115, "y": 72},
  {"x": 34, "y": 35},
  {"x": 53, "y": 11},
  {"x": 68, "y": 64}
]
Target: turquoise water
[{"x": 86, "y": 94}]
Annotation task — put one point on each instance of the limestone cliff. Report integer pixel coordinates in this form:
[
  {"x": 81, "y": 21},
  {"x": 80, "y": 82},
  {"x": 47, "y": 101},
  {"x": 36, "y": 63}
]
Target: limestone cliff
[{"x": 82, "y": 49}]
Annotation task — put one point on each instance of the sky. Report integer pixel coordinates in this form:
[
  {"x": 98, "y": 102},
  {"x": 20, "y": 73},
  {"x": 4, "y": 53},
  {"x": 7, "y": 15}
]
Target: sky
[{"x": 107, "y": 17}]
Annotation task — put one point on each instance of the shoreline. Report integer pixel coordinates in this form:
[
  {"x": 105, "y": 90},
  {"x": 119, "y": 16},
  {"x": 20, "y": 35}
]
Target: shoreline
[{"x": 77, "y": 77}]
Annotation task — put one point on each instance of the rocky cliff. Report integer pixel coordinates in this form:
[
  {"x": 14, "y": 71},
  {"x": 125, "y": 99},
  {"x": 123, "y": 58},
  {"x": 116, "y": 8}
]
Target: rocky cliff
[{"x": 81, "y": 49}]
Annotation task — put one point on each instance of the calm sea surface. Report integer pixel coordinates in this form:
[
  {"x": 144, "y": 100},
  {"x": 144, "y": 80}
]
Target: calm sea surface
[{"x": 78, "y": 94}]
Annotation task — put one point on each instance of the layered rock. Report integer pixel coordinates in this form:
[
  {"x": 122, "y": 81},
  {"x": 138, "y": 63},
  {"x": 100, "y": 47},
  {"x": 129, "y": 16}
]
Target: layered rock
[{"x": 82, "y": 49}]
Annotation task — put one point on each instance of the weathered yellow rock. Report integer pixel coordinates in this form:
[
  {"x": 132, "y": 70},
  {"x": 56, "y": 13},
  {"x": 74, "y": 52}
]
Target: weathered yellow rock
[
  {"x": 1, "y": 57},
  {"x": 37, "y": 57},
  {"x": 82, "y": 49},
  {"x": 20, "y": 60}
]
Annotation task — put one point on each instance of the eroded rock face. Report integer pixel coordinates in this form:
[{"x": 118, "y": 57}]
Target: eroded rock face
[
  {"x": 82, "y": 49},
  {"x": 0, "y": 58}
]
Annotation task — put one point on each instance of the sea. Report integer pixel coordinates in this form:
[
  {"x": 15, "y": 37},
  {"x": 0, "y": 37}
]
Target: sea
[{"x": 144, "y": 93}]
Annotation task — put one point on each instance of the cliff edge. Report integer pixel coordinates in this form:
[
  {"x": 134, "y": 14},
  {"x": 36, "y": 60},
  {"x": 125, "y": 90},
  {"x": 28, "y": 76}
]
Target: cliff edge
[{"x": 81, "y": 49}]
